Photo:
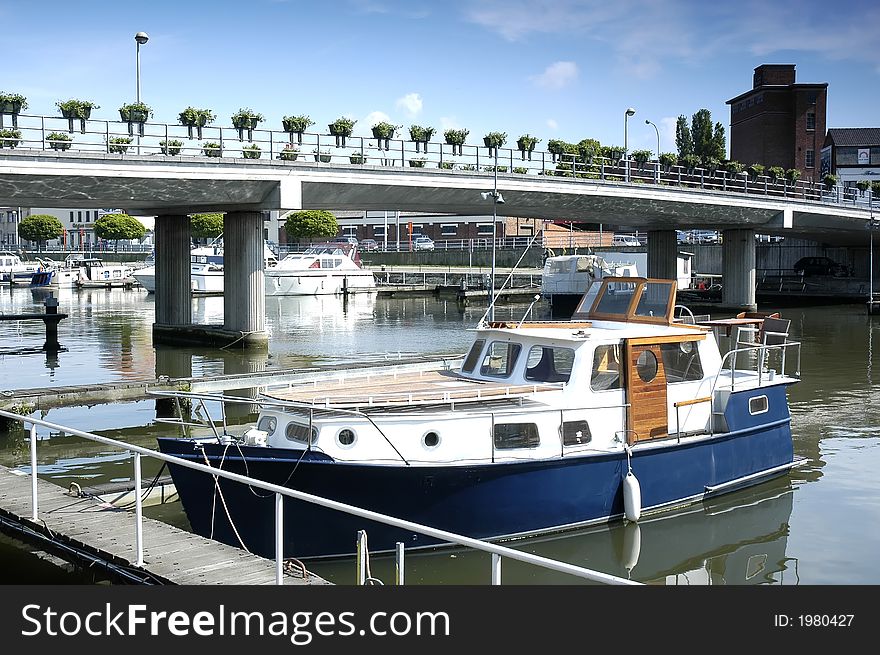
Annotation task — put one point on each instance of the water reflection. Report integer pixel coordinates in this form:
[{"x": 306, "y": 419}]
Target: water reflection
[{"x": 736, "y": 539}]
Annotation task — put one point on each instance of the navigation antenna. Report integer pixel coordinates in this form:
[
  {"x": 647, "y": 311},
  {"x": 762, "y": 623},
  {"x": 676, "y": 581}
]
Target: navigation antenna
[
  {"x": 482, "y": 320},
  {"x": 537, "y": 298}
]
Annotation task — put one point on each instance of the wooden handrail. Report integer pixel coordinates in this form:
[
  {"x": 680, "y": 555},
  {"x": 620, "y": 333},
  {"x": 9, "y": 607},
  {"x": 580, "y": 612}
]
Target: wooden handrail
[{"x": 695, "y": 401}]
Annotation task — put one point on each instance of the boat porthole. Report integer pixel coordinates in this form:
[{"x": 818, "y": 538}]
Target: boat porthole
[
  {"x": 346, "y": 437},
  {"x": 267, "y": 424},
  {"x": 646, "y": 365},
  {"x": 431, "y": 440}
]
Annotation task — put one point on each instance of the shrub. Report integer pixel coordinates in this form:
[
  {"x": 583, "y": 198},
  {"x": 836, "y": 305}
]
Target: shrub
[
  {"x": 491, "y": 169},
  {"x": 76, "y": 108},
  {"x": 446, "y": 165},
  {"x": 251, "y": 152},
  {"x": 417, "y": 162},
  {"x": 520, "y": 170},
  {"x": 455, "y": 137},
  {"x": 756, "y": 171},
  {"x": 495, "y": 139},
  {"x": 792, "y": 175},
  {"x": 246, "y": 118},
  {"x": 12, "y": 103},
  {"x": 196, "y": 117},
  {"x": 641, "y": 157},
  {"x": 830, "y": 181},
  {"x": 342, "y": 126},
  {"x": 775, "y": 173},
  {"x": 527, "y": 142},
  {"x": 385, "y": 130},
  {"x": 668, "y": 160},
  {"x": 119, "y": 144},
  {"x": 734, "y": 167},
  {"x": 135, "y": 112},
  {"x": 59, "y": 140},
  {"x": 297, "y": 124},
  {"x": 211, "y": 149},
  {"x": 556, "y": 146},
  {"x": 171, "y": 146}
]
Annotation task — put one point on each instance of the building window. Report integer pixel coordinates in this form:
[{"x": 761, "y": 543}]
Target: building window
[
  {"x": 811, "y": 121},
  {"x": 484, "y": 229},
  {"x": 448, "y": 230},
  {"x": 79, "y": 217},
  {"x": 379, "y": 231},
  {"x": 810, "y": 159},
  {"x": 71, "y": 217},
  {"x": 811, "y": 98}
]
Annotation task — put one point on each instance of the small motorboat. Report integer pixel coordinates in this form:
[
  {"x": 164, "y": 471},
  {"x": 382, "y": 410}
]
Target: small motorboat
[{"x": 323, "y": 269}]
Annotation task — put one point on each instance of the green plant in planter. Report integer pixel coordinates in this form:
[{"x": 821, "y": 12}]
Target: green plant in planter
[
  {"x": 76, "y": 109},
  {"x": 446, "y": 165},
  {"x": 196, "y": 118},
  {"x": 668, "y": 160},
  {"x": 689, "y": 163},
  {"x": 526, "y": 144},
  {"x": 12, "y": 104},
  {"x": 211, "y": 149},
  {"x": 384, "y": 132},
  {"x": 733, "y": 167},
  {"x": 119, "y": 144},
  {"x": 170, "y": 146},
  {"x": 491, "y": 169},
  {"x": 296, "y": 125},
  {"x": 776, "y": 173},
  {"x": 290, "y": 153},
  {"x": 494, "y": 140},
  {"x": 830, "y": 181},
  {"x": 322, "y": 155},
  {"x": 246, "y": 120},
  {"x": 467, "y": 167},
  {"x": 251, "y": 152},
  {"x": 520, "y": 170},
  {"x": 614, "y": 154},
  {"x": 421, "y": 135},
  {"x": 357, "y": 157},
  {"x": 456, "y": 138},
  {"x": 10, "y": 138},
  {"x": 59, "y": 141},
  {"x": 556, "y": 147},
  {"x": 863, "y": 185},
  {"x": 135, "y": 113},
  {"x": 341, "y": 128},
  {"x": 792, "y": 175},
  {"x": 418, "y": 162},
  {"x": 756, "y": 171},
  {"x": 641, "y": 157}
]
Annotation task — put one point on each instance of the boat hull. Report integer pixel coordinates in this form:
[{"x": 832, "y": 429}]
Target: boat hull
[
  {"x": 306, "y": 283},
  {"x": 488, "y": 501}
]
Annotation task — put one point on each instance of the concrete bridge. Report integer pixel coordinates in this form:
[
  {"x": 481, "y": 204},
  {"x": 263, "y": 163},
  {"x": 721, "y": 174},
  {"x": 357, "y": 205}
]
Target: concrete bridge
[{"x": 646, "y": 197}]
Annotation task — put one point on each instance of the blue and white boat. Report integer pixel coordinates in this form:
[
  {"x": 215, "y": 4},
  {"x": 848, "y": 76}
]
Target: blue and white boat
[{"x": 620, "y": 412}]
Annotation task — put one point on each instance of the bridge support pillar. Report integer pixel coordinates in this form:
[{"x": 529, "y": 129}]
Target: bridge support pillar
[
  {"x": 243, "y": 280},
  {"x": 662, "y": 255},
  {"x": 173, "y": 290},
  {"x": 738, "y": 270}
]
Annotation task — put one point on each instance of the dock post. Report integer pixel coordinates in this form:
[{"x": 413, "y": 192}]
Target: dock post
[
  {"x": 279, "y": 538},
  {"x": 138, "y": 512},
  {"x": 51, "y": 322},
  {"x": 34, "y": 510},
  {"x": 398, "y": 563},
  {"x": 496, "y": 569}
]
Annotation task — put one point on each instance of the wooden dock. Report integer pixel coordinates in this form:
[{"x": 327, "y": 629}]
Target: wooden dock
[{"x": 85, "y": 530}]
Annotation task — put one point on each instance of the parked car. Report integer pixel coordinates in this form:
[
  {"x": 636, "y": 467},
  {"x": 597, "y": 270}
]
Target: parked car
[
  {"x": 369, "y": 245},
  {"x": 807, "y": 266},
  {"x": 421, "y": 242},
  {"x": 625, "y": 240},
  {"x": 352, "y": 240}
]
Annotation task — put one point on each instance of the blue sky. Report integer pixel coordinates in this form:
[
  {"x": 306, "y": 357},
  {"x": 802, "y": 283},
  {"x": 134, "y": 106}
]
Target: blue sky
[{"x": 564, "y": 69}]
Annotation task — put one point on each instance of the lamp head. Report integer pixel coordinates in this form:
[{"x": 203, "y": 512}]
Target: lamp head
[
  {"x": 630, "y": 111},
  {"x": 499, "y": 199},
  {"x": 141, "y": 38},
  {"x": 486, "y": 195}
]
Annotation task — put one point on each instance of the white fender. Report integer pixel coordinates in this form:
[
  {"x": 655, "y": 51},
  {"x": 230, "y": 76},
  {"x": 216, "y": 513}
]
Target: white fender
[{"x": 632, "y": 497}]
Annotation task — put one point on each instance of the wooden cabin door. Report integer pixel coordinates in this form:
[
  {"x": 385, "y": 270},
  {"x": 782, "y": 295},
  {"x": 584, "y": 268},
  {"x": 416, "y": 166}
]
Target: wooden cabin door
[{"x": 647, "y": 416}]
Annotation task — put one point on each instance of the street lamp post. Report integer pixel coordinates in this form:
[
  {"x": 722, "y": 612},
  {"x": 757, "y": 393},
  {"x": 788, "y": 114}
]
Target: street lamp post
[
  {"x": 629, "y": 112},
  {"x": 647, "y": 122},
  {"x": 496, "y": 199},
  {"x": 140, "y": 38}
]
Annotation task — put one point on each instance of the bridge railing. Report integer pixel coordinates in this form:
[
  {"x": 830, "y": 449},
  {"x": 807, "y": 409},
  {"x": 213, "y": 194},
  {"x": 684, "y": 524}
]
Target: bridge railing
[{"x": 175, "y": 142}]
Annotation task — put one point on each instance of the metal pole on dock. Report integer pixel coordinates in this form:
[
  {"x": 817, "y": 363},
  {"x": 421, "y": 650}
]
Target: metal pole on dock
[
  {"x": 34, "y": 509},
  {"x": 279, "y": 539},
  {"x": 398, "y": 563},
  {"x": 138, "y": 512}
]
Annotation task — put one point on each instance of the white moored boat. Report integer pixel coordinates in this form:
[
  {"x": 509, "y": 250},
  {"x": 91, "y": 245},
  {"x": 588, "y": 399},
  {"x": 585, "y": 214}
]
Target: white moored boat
[
  {"x": 15, "y": 271},
  {"x": 323, "y": 269},
  {"x": 85, "y": 272},
  {"x": 620, "y": 412}
]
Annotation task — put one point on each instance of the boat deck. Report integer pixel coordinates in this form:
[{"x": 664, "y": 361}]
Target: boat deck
[{"x": 402, "y": 389}]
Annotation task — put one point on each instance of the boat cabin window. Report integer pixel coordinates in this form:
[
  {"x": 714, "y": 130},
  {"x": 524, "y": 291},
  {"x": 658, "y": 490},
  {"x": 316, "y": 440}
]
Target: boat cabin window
[
  {"x": 516, "y": 435},
  {"x": 583, "y": 264},
  {"x": 681, "y": 361},
  {"x": 473, "y": 356},
  {"x": 647, "y": 366},
  {"x": 300, "y": 433},
  {"x": 606, "y": 368},
  {"x": 616, "y": 299},
  {"x": 500, "y": 359},
  {"x": 549, "y": 364},
  {"x": 655, "y": 299},
  {"x": 558, "y": 266},
  {"x": 267, "y": 424},
  {"x": 575, "y": 433},
  {"x": 758, "y": 405}
]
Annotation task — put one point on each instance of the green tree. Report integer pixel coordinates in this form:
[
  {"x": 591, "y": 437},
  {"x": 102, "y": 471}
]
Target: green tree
[
  {"x": 114, "y": 227},
  {"x": 40, "y": 228},
  {"x": 206, "y": 226},
  {"x": 311, "y": 223},
  {"x": 683, "y": 140}
]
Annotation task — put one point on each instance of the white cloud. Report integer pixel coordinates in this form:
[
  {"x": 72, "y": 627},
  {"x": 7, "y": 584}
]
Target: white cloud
[
  {"x": 375, "y": 117},
  {"x": 411, "y": 103},
  {"x": 557, "y": 75},
  {"x": 447, "y": 123},
  {"x": 552, "y": 124}
]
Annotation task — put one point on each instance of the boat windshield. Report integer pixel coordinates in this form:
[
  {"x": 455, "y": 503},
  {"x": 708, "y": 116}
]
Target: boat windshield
[{"x": 629, "y": 299}]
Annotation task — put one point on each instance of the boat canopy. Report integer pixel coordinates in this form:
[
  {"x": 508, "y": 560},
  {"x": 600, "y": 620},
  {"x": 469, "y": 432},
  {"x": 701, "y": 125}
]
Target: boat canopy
[{"x": 631, "y": 300}]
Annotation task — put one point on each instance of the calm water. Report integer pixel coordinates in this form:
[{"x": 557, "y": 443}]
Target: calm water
[{"x": 816, "y": 526}]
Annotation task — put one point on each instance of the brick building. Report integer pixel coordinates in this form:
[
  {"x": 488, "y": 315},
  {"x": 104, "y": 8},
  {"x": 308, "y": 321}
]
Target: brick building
[{"x": 779, "y": 122}]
